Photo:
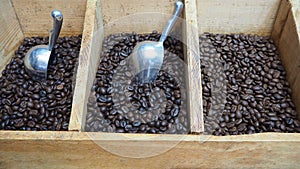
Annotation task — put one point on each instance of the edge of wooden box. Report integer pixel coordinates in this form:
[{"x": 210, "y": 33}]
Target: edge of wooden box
[
  {"x": 11, "y": 33},
  {"x": 35, "y": 19},
  {"x": 77, "y": 149},
  {"x": 87, "y": 50},
  {"x": 286, "y": 35},
  {"x": 193, "y": 68},
  {"x": 102, "y": 136}
]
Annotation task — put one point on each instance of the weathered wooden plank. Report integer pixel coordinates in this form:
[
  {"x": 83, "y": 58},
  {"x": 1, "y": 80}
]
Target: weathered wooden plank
[
  {"x": 242, "y": 16},
  {"x": 141, "y": 16},
  {"x": 88, "y": 62},
  {"x": 35, "y": 16},
  {"x": 295, "y": 93},
  {"x": 10, "y": 32},
  {"x": 103, "y": 136},
  {"x": 289, "y": 47},
  {"x": 192, "y": 58},
  {"x": 296, "y": 85},
  {"x": 280, "y": 21},
  {"x": 77, "y": 150}
]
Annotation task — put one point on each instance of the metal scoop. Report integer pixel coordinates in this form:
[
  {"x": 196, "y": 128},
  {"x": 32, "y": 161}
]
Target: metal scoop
[
  {"x": 147, "y": 57},
  {"x": 37, "y": 58}
]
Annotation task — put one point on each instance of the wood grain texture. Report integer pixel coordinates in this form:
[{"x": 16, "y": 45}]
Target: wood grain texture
[
  {"x": 295, "y": 93},
  {"x": 282, "y": 15},
  {"x": 77, "y": 150},
  {"x": 10, "y": 33},
  {"x": 289, "y": 47},
  {"x": 88, "y": 63},
  {"x": 142, "y": 16},
  {"x": 35, "y": 16},
  {"x": 194, "y": 70},
  {"x": 239, "y": 16},
  {"x": 280, "y": 21}
]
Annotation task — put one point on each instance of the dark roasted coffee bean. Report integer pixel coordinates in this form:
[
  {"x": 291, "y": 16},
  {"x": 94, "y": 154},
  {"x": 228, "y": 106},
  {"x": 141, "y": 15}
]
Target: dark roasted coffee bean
[
  {"x": 6, "y": 101},
  {"x": 130, "y": 88},
  {"x": 230, "y": 125},
  {"x": 35, "y": 96},
  {"x": 242, "y": 127},
  {"x": 102, "y": 99},
  {"x": 19, "y": 123},
  {"x": 174, "y": 112},
  {"x": 136, "y": 124},
  {"x": 244, "y": 103},
  {"x": 102, "y": 90},
  {"x": 297, "y": 123},
  {"x": 33, "y": 112},
  {"x": 289, "y": 121},
  {"x": 164, "y": 123},
  {"x": 59, "y": 87},
  {"x": 51, "y": 96},
  {"x": 30, "y": 123},
  {"x": 120, "y": 130},
  {"x": 43, "y": 93},
  {"x": 123, "y": 123},
  {"x": 238, "y": 114},
  {"x": 277, "y": 96}
]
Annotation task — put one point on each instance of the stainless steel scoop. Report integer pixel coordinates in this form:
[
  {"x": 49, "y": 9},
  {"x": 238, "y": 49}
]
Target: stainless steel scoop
[
  {"x": 37, "y": 58},
  {"x": 147, "y": 57}
]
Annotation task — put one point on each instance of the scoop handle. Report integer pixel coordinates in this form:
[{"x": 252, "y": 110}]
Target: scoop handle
[
  {"x": 57, "y": 23},
  {"x": 171, "y": 22}
]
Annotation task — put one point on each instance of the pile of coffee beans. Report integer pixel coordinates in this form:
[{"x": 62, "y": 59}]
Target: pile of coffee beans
[
  {"x": 26, "y": 104},
  {"x": 244, "y": 86},
  {"x": 118, "y": 103}
]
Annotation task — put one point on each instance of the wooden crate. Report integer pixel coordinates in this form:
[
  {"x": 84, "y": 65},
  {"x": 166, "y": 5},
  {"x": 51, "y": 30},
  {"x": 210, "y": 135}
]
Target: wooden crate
[{"x": 76, "y": 149}]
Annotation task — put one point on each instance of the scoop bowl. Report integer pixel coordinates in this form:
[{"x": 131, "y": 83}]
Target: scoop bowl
[
  {"x": 37, "y": 58},
  {"x": 36, "y": 61}
]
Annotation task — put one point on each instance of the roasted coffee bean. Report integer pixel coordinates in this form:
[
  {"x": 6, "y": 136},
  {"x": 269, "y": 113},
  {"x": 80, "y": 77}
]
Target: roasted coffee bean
[
  {"x": 144, "y": 108},
  {"x": 244, "y": 103},
  {"x": 60, "y": 87},
  {"x": 242, "y": 127},
  {"x": 35, "y": 96},
  {"x": 30, "y": 123},
  {"x": 102, "y": 90},
  {"x": 238, "y": 114},
  {"x": 297, "y": 123},
  {"x": 29, "y": 101},
  {"x": 230, "y": 125},
  {"x": 33, "y": 113},
  {"x": 244, "y": 86},
  {"x": 289, "y": 121},
  {"x": 174, "y": 112}
]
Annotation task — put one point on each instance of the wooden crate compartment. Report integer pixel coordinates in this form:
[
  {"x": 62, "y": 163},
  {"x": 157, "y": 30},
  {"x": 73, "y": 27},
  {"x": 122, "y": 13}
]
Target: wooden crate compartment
[
  {"x": 106, "y": 19},
  {"x": 78, "y": 149},
  {"x": 22, "y": 19},
  {"x": 273, "y": 18}
]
